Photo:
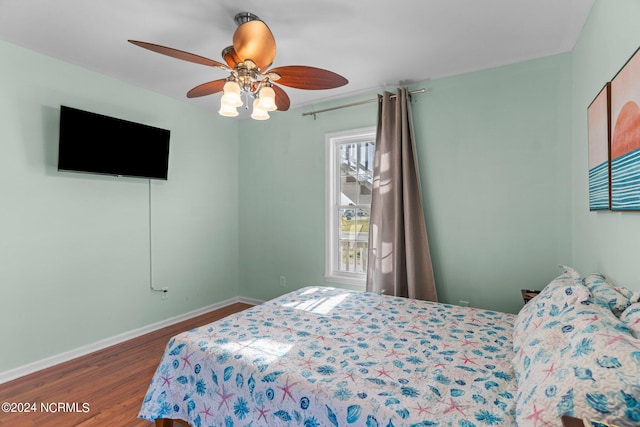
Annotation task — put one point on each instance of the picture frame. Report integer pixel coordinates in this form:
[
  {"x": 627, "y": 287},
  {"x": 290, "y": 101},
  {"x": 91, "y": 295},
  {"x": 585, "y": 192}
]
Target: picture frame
[
  {"x": 599, "y": 140},
  {"x": 625, "y": 137}
]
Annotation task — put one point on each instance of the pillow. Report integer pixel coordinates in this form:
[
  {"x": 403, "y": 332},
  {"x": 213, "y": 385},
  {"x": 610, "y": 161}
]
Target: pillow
[
  {"x": 631, "y": 318},
  {"x": 562, "y": 292},
  {"x": 584, "y": 364},
  {"x": 605, "y": 293},
  {"x": 631, "y": 295},
  {"x": 568, "y": 278},
  {"x": 566, "y": 270}
]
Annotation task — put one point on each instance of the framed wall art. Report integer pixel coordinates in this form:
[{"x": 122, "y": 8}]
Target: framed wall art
[
  {"x": 625, "y": 137},
  {"x": 599, "y": 128}
]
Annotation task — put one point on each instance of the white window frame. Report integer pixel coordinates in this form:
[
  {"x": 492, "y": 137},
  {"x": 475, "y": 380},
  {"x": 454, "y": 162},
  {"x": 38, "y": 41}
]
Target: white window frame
[{"x": 332, "y": 178}]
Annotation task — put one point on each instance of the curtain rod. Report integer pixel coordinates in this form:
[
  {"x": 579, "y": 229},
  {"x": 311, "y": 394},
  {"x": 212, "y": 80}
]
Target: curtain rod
[{"x": 353, "y": 104}]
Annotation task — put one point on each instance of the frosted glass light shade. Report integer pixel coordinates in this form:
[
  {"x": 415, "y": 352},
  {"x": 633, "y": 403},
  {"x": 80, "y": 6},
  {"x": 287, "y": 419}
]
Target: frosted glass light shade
[
  {"x": 227, "y": 110},
  {"x": 231, "y": 94},
  {"x": 259, "y": 113},
  {"x": 267, "y": 99}
]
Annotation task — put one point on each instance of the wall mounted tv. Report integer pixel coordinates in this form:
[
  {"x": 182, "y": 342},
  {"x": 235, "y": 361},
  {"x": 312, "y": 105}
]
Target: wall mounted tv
[{"x": 94, "y": 143}]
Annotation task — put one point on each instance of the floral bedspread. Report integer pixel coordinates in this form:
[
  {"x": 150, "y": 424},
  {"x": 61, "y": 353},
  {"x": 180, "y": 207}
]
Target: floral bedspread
[{"x": 330, "y": 357}]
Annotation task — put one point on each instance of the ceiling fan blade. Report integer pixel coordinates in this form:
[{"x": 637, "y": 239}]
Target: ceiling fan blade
[
  {"x": 310, "y": 78},
  {"x": 179, "y": 54},
  {"x": 208, "y": 88},
  {"x": 230, "y": 56},
  {"x": 253, "y": 40},
  {"x": 282, "y": 99}
]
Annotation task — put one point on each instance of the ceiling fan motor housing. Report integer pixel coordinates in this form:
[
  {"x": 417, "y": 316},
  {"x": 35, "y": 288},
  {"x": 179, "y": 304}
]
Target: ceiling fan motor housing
[{"x": 244, "y": 17}]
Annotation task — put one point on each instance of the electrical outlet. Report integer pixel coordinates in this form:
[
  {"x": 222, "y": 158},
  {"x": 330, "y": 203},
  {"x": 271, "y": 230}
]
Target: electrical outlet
[
  {"x": 283, "y": 282},
  {"x": 165, "y": 293},
  {"x": 464, "y": 303}
]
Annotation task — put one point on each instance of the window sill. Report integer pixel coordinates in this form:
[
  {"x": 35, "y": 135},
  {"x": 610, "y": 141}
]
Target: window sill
[{"x": 346, "y": 280}]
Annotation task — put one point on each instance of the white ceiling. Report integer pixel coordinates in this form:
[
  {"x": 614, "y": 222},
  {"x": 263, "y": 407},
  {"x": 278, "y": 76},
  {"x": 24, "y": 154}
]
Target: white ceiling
[{"x": 374, "y": 44}]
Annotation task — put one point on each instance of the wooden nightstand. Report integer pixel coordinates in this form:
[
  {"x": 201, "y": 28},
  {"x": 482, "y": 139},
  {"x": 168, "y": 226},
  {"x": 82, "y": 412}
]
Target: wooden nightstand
[
  {"x": 528, "y": 294},
  {"x": 568, "y": 421}
]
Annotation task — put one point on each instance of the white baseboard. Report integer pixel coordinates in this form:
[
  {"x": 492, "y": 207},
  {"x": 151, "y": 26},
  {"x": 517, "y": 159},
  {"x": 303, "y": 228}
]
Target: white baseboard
[
  {"x": 250, "y": 301},
  {"x": 48, "y": 362}
]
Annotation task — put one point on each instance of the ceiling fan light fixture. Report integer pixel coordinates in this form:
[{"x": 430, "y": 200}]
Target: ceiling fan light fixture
[
  {"x": 267, "y": 99},
  {"x": 231, "y": 94},
  {"x": 259, "y": 113},
  {"x": 248, "y": 60},
  {"x": 226, "y": 109}
]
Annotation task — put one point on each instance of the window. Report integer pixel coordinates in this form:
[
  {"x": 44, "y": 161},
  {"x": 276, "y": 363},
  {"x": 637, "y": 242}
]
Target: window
[{"x": 349, "y": 183}]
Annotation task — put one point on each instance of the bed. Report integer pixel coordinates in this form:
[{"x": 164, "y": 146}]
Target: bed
[{"x": 331, "y": 357}]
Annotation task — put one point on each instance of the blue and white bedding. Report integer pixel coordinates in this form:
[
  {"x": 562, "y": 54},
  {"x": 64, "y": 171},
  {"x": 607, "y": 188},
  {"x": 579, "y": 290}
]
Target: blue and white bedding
[
  {"x": 578, "y": 353},
  {"x": 330, "y": 357}
]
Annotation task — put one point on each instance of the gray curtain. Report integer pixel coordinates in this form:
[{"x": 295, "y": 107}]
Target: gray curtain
[{"x": 399, "y": 261}]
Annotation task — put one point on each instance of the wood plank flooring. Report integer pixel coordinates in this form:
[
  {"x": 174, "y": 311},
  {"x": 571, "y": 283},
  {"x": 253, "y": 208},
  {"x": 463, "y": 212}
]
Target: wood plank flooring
[{"x": 112, "y": 381}]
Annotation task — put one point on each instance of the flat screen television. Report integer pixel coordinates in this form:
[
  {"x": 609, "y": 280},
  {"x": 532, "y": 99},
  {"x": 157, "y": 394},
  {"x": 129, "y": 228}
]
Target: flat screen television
[{"x": 94, "y": 143}]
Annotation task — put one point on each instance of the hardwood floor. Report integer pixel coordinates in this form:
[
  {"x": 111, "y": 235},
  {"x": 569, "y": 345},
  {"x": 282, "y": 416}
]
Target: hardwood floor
[{"x": 102, "y": 388}]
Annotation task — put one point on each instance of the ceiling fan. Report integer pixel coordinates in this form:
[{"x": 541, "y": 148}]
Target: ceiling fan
[{"x": 248, "y": 60}]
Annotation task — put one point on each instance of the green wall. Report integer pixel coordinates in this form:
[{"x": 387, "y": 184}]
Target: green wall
[
  {"x": 74, "y": 251},
  {"x": 492, "y": 148},
  {"x": 282, "y": 203},
  {"x": 607, "y": 242}
]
